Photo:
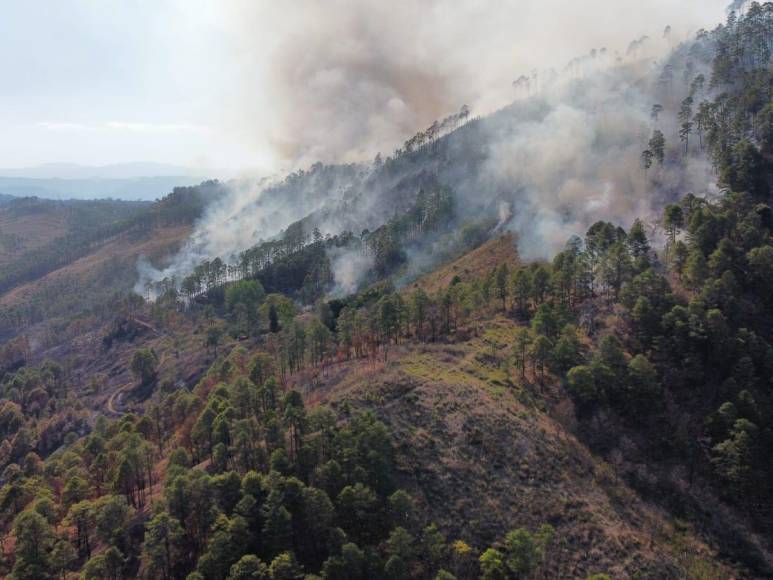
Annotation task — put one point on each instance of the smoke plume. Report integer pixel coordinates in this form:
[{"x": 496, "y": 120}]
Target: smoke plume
[{"x": 340, "y": 81}]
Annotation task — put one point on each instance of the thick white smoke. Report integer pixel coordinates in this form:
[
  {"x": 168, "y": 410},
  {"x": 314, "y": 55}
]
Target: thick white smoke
[
  {"x": 251, "y": 211},
  {"x": 580, "y": 161},
  {"x": 339, "y": 81},
  {"x": 349, "y": 267}
]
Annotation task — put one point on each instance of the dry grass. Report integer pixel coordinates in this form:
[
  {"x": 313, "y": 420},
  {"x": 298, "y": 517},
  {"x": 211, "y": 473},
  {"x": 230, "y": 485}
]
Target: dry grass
[
  {"x": 35, "y": 228},
  {"x": 85, "y": 268},
  {"x": 480, "y": 261},
  {"x": 482, "y": 457}
]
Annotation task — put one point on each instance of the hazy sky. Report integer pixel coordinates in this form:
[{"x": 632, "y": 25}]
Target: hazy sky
[{"x": 259, "y": 84}]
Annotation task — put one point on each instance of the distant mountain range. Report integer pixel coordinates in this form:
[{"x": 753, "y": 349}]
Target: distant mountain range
[
  {"x": 130, "y": 181},
  {"x": 112, "y": 171}
]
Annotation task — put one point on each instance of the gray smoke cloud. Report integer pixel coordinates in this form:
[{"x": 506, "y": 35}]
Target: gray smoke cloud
[
  {"x": 339, "y": 81},
  {"x": 580, "y": 159},
  {"x": 349, "y": 268}
]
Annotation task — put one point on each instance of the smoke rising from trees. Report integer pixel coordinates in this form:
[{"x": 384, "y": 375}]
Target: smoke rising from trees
[{"x": 339, "y": 82}]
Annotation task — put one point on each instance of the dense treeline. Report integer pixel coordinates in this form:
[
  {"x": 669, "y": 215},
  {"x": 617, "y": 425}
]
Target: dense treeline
[
  {"x": 38, "y": 413},
  {"x": 252, "y": 486},
  {"x": 723, "y": 105},
  {"x": 240, "y": 430}
]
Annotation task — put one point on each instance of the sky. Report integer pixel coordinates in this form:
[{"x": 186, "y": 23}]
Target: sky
[
  {"x": 100, "y": 82},
  {"x": 263, "y": 86}
]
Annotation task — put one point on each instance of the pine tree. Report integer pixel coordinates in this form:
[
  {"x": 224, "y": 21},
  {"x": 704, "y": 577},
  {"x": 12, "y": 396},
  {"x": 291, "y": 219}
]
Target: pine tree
[
  {"x": 657, "y": 144},
  {"x": 34, "y": 543}
]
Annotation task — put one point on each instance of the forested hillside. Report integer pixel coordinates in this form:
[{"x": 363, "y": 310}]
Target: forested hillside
[
  {"x": 66, "y": 259},
  {"x": 412, "y": 393}
]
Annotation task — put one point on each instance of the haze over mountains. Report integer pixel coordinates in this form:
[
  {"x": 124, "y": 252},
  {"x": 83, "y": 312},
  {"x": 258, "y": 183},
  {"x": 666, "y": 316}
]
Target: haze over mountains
[{"x": 128, "y": 181}]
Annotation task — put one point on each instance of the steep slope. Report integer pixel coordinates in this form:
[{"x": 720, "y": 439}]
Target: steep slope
[
  {"x": 480, "y": 449},
  {"x": 484, "y": 456},
  {"x": 480, "y": 261},
  {"x": 71, "y": 258},
  {"x": 117, "y": 258},
  {"x": 30, "y": 224},
  {"x": 28, "y": 231}
]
